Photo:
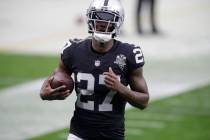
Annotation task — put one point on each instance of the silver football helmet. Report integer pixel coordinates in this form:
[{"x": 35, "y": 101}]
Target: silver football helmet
[{"x": 104, "y": 18}]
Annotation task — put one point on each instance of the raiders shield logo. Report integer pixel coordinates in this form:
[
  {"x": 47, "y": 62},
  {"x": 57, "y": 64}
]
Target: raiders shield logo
[{"x": 97, "y": 63}]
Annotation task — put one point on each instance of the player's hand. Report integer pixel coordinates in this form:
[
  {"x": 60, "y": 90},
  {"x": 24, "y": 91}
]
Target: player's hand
[
  {"x": 112, "y": 81},
  {"x": 47, "y": 93}
]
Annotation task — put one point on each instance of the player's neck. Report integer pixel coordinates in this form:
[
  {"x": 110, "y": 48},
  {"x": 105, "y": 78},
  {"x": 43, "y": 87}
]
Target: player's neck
[{"x": 102, "y": 47}]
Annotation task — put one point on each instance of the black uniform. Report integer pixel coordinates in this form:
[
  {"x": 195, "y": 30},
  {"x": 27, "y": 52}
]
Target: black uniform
[{"x": 99, "y": 112}]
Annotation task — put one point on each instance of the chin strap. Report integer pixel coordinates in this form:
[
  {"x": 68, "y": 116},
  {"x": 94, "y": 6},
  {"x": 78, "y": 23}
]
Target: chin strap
[{"x": 103, "y": 38}]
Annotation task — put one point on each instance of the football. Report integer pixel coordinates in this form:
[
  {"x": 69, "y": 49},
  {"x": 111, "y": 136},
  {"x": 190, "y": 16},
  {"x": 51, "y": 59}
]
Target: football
[{"x": 62, "y": 79}]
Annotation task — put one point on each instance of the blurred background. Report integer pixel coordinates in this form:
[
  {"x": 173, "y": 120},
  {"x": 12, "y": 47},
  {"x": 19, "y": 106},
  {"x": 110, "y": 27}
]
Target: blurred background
[{"x": 32, "y": 33}]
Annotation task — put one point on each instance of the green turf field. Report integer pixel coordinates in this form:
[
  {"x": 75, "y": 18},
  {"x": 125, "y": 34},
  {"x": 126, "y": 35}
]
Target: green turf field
[
  {"x": 183, "y": 117},
  {"x": 21, "y": 68}
]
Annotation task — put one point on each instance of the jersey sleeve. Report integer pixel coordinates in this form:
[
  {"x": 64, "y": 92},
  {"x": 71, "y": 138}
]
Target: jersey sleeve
[
  {"x": 67, "y": 54},
  {"x": 135, "y": 58}
]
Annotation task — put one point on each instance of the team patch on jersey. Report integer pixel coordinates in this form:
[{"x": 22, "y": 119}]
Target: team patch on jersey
[
  {"x": 120, "y": 61},
  {"x": 97, "y": 63}
]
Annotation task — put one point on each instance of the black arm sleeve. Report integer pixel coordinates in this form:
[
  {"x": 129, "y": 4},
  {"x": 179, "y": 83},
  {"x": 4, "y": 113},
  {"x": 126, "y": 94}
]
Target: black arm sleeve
[{"x": 67, "y": 55}]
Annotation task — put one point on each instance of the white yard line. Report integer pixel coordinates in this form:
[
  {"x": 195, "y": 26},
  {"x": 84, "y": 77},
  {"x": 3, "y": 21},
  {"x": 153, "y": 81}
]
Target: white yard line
[{"x": 134, "y": 131}]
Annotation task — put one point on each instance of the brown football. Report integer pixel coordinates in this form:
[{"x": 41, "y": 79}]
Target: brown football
[{"x": 62, "y": 79}]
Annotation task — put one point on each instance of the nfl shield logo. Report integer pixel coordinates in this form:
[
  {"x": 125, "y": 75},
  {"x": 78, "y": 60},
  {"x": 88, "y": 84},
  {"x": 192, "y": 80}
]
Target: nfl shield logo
[{"x": 97, "y": 63}]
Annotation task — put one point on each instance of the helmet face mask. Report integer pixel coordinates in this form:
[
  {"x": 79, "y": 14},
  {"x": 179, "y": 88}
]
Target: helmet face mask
[
  {"x": 104, "y": 21},
  {"x": 105, "y": 27}
]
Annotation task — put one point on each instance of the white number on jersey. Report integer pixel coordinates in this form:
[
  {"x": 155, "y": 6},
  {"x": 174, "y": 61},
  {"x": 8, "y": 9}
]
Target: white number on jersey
[
  {"x": 138, "y": 55},
  {"x": 89, "y": 105}
]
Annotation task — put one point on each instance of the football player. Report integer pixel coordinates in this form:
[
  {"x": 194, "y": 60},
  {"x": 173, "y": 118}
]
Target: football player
[{"x": 103, "y": 68}]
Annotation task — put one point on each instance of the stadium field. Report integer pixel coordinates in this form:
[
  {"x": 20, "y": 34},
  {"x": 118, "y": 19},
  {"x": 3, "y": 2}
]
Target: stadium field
[
  {"x": 176, "y": 61},
  {"x": 20, "y": 68},
  {"x": 185, "y": 117}
]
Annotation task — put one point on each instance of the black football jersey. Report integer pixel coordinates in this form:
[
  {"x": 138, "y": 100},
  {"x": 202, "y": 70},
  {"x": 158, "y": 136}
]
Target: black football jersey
[{"x": 99, "y": 111}]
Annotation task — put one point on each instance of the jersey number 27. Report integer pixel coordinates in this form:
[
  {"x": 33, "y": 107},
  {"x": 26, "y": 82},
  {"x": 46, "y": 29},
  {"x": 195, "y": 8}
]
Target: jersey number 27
[{"x": 89, "y": 91}]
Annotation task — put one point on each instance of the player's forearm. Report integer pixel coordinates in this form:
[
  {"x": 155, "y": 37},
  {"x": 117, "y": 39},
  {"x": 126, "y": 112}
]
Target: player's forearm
[{"x": 137, "y": 99}]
